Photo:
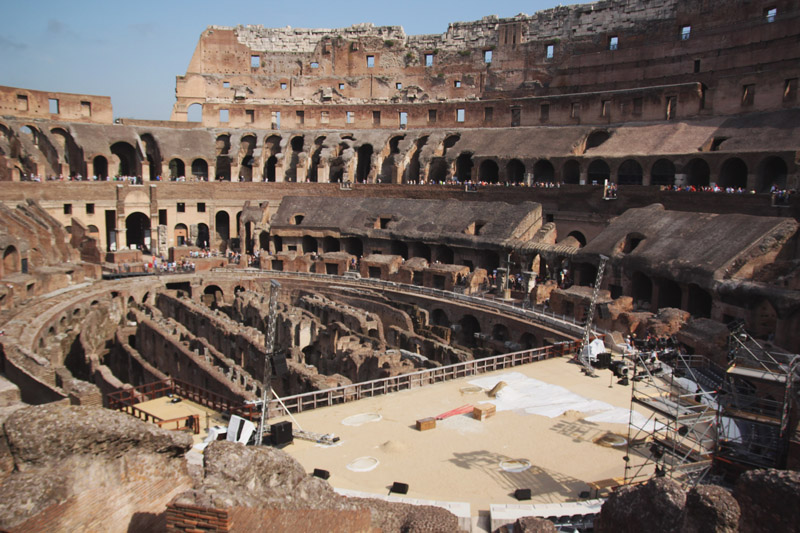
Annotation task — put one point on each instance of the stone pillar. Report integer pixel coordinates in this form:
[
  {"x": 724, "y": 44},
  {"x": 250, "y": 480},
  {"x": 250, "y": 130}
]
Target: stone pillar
[
  {"x": 584, "y": 179},
  {"x": 145, "y": 171}
]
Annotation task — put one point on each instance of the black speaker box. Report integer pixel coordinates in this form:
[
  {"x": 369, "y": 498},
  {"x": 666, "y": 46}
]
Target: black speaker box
[
  {"x": 281, "y": 433},
  {"x": 522, "y": 494},
  {"x": 322, "y": 474},
  {"x": 399, "y": 488}
]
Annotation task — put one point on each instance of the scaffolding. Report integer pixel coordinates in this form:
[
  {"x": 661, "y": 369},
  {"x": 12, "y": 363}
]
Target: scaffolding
[
  {"x": 678, "y": 437},
  {"x": 754, "y": 418}
]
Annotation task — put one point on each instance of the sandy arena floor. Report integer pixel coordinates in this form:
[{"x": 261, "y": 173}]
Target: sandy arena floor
[{"x": 460, "y": 460}]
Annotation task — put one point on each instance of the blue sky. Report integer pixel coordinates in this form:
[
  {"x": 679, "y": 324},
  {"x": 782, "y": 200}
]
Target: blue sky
[{"x": 132, "y": 51}]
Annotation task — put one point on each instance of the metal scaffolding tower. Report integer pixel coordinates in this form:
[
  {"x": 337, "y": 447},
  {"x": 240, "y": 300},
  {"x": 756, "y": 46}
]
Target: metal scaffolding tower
[
  {"x": 677, "y": 439},
  {"x": 754, "y": 417},
  {"x": 269, "y": 346},
  {"x": 583, "y": 355}
]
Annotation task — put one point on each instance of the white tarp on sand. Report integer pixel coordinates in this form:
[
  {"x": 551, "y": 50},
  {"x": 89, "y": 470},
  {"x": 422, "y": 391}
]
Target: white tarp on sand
[{"x": 530, "y": 396}]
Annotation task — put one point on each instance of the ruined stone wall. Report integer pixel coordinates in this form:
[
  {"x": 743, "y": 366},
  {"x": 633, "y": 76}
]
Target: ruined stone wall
[
  {"x": 26, "y": 103},
  {"x": 253, "y": 72}
]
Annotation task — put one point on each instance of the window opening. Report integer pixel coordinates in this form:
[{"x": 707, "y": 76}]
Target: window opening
[
  {"x": 770, "y": 13},
  {"x": 22, "y": 102},
  {"x": 613, "y": 43},
  {"x": 516, "y": 115},
  {"x": 250, "y": 115},
  {"x": 487, "y": 56},
  {"x": 86, "y": 109},
  {"x": 53, "y": 106},
  {"x": 432, "y": 115},
  {"x": 370, "y": 61},
  {"x": 549, "y": 52},
  {"x": 90, "y": 209},
  {"x": 351, "y": 117},
  {"x": 255, "y": 61},
  {"x": 223, "y": 115},
  {"x": 488, "y": 114},
  {"x": 398, "y": 85},
  {"x": 457, "y": 84},
  {"x": 181, "y": 207},
  {"x": 428, "y": 60},
  {"x": 226, "y": 85},
  {"x": 748, "y": 94},
  {"x": 460, "y": 115},
  {"x": 544, "y": 112},
  {"x": 376, "y": 118},
  {"x": 686, "y": 32}
]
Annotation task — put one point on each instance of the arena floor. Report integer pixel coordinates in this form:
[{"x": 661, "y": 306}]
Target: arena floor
[{"x": 478, "y": 462}]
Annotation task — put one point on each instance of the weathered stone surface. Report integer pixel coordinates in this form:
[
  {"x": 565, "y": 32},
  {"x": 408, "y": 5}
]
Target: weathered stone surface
[
  {"x": 710, "y": 508},
  {"x": 84, "y": 468},
  {"x": 769, "y": 500},
  {"x": 532, "y": 524},
  {"x": 655, "y": 507},
  {"x": 46, "y": 435},
  {"x": 262, "y": 477}
]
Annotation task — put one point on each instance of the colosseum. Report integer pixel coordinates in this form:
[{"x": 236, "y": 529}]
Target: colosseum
[{"x": 538, "y": 273}]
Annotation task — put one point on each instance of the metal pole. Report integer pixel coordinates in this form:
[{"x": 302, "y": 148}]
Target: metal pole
[{"x": 266, "y": 395}]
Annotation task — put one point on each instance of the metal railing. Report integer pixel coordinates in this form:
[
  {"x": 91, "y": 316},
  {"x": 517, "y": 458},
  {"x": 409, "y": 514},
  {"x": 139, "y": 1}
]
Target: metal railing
[{"x": 356, "y": 391}]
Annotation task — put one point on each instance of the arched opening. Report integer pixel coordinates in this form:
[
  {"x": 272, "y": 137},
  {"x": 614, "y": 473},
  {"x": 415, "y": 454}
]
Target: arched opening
[
  {"x": 578, "y": 236},
  {"x": 11, "y": 262},
  {"x": 449, "y": 142},
  {"x": 180, "y": 234},
  {"x": 598, "y": 172},
  {"x": 269, "y": 168},
  {"x": 500, "y": 333},
  {"x": 364, "y": 164},
  {"x": 100, "y": 165},
  {"x": 137, "y": 231},
  {"x": 194, "y": 113},
  {"x": 412, "y": 174},
  {"x": 222, "y": 225},
  {"x": 420, "y": 249},
  {"x": 528, "y": 341},
  {"x": 515, "y": 171},
  {"x": 439, "y": 318},
  {"x": 772, "y": 172},
  {"x": 698, "y": 173},
  {"x": 642, "y": 288},
  {"x": 297, "y": 143},
  {"x": 315, "y": 159},
  {"x": 584, "y": 274},
  {"x": 629, "y": 173},
  {"x": 128, "y": 161},
  {"x": 246, "y": 148},
  {"x": 177, "y": 169},
  {"x": 153, "y": 155},
  {"x": 222, "y": 147},
  {"x": 263, "y": 240},
  {"x": 202, "y": 236},
  {"x": 249, "y": 237},
  {"x": 464, "y": 166},
  {"x": 699, "y": 302},
  {"x": 309, "y": 244},
  {"x": 596, "y": 138},
  {"x": 330, "y": 244},
  {"x": 733, "y": 174},
  {"x": 353, "y": 246},
  {"x": 572, "y": 172},
  {"x": 488, "y": 171},
  {"x": 469, "y": 326},
  {"x": 543, "y": 172},
  {"x": 445, "y": 255},
  {"x": 669, "y": 294},
  {"x": 400, "y": 248},
  {"x": 663, "y": 173},
  {"x": 438, "y": 170},
  {"x": 213, "y": 296},
  {"x": 200, "y": 169}
]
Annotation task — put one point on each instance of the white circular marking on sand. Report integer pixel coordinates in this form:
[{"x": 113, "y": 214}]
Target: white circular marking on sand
[
  {"x": 363, "y": 464},
  {"x": 361, "y": 419},
  {"x": 515, "y": 465}
]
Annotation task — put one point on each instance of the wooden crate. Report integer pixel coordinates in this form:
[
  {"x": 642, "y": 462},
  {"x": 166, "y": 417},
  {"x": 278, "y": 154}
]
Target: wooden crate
[
  {"x": 483, "y": 411},
  {"x": 424, "y": 424}
]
